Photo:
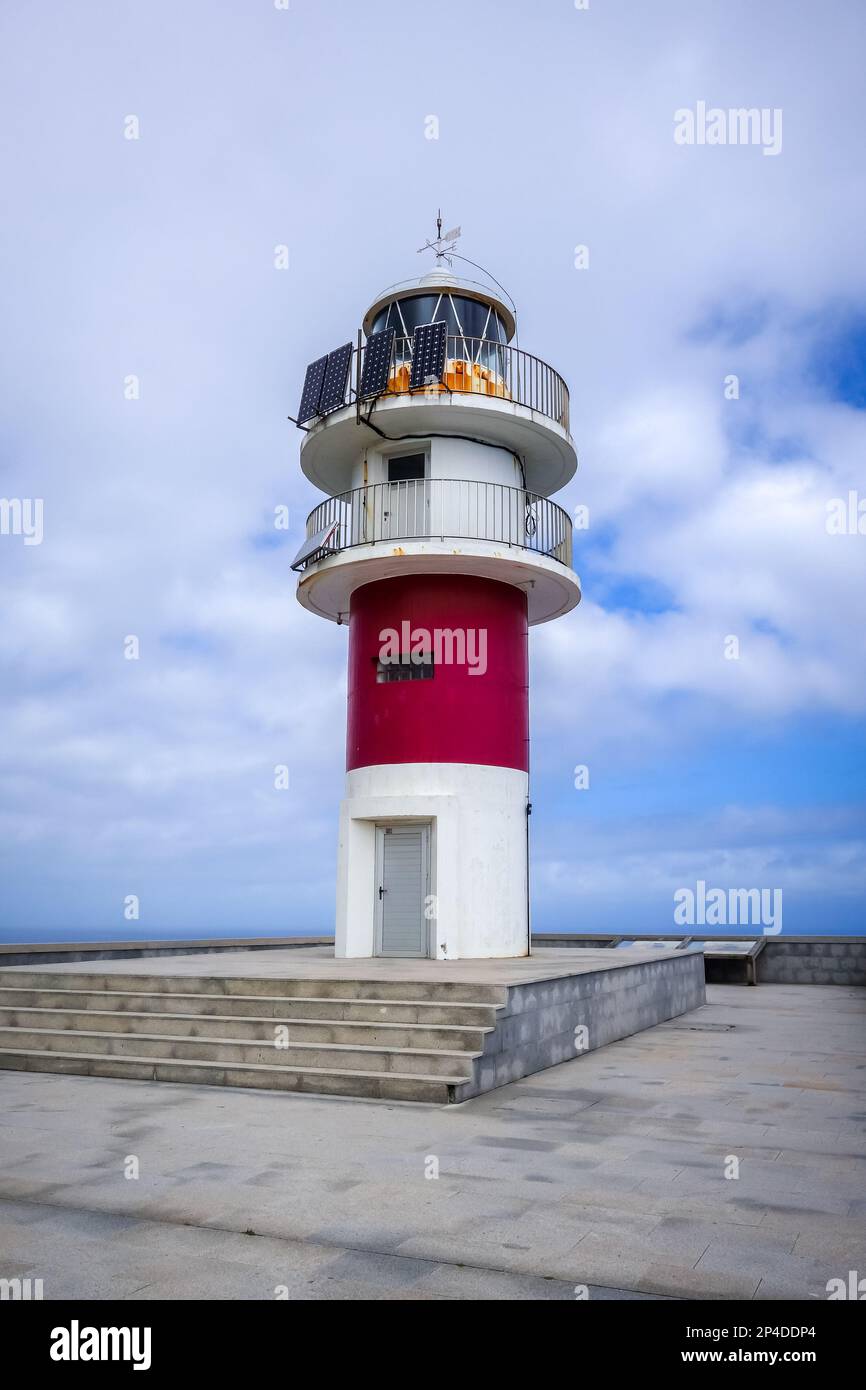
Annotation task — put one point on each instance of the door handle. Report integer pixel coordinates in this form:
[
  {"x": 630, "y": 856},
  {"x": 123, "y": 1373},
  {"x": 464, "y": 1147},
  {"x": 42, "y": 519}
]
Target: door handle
[{"x": 382, "y": 892}]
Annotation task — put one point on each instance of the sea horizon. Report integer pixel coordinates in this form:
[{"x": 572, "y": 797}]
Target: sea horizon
[{"x": 33, "y": 936}]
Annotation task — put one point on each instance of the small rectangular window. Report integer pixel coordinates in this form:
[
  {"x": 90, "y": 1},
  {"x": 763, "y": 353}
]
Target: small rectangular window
[
  {"x": 406, "y": 467},
  {"x": 405, "y": 668}
]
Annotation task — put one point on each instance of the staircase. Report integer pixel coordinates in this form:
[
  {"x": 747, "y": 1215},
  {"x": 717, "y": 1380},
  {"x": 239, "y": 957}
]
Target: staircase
[{"x": 384, "y": 1040}]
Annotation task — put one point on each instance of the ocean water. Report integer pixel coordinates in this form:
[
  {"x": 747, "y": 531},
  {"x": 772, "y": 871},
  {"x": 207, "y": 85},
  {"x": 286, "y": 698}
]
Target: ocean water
[{"x": 31, "y": 935}]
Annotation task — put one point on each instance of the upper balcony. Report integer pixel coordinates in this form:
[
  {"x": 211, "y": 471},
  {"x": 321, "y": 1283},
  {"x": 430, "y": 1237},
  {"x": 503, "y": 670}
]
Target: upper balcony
[
  {"x": 487, "y": 389},
  {"x": 437, "y": 525}
]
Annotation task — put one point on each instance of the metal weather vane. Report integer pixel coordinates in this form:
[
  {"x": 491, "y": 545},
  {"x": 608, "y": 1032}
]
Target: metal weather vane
[{"x": 442, "y": 245}]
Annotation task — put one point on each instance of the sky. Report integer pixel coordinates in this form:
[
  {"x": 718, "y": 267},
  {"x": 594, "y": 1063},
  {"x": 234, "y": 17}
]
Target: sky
[{"x": 154, "y": 258}]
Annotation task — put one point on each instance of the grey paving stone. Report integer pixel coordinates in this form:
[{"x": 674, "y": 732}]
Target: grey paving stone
[{"x": 597, "y": 1175}]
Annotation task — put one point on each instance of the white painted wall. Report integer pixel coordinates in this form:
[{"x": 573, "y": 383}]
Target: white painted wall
[
  {"x": 448, "y": 458},
  {"x": 479, "y": 867},
  {"x": 459, "y": 458},
  {"x": 457, "y": 511}
]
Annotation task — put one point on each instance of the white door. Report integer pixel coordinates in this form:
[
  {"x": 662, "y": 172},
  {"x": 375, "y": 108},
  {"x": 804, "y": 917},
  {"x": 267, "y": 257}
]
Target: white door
[
  {"x": 402, "y": 887},
  {"x": 406, "y": 499}
]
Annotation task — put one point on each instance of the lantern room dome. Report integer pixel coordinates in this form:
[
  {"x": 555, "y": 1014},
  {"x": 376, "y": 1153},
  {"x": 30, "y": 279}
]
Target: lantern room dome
[{"x": 470, "y": 309}]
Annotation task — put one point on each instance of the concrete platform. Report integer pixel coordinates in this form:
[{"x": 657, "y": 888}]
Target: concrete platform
[
  {"x": 299, "y": 1020},
  {"x": 607, "y": 1172},
  {"x": 319, "y": 963}
]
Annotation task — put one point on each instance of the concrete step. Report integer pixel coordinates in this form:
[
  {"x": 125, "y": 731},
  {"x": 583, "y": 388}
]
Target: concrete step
[
  {"x": 392, "y": 1086},
  {"x": 322, "y": 1056},
  {"x": 253, "y": 1006},
  {"x": 386, "y": 1039},
  {"x": 416, "y": 991},
  {"x": 254, "y": 1029}
]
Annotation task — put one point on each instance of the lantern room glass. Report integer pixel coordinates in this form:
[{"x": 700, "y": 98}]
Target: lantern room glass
[{"x": 475, "y": 330}]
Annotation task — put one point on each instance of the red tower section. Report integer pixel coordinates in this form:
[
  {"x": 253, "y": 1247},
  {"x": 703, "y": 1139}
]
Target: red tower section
[{"x": 460, "y": 713}]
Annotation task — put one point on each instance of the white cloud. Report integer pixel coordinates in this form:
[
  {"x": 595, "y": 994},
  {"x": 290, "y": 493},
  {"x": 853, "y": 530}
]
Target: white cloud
[{"x": 157, "y": 260}]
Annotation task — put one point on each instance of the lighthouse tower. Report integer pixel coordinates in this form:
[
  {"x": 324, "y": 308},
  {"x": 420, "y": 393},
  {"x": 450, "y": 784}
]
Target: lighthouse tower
[{"x": 439, "y": 442}]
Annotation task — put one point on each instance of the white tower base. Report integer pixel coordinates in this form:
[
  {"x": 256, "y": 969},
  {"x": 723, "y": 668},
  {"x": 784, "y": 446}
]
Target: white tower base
[{"x": 476, "y": 893}]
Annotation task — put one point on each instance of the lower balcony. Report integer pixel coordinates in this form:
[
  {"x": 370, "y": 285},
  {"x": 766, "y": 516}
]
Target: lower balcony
[
  {"x": 443, "y": 508},
  {"x": 437, "y": 525}
]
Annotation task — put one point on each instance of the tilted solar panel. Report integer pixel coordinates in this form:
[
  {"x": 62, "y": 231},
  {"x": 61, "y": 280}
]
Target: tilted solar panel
[{"x": 324, "y": 540}]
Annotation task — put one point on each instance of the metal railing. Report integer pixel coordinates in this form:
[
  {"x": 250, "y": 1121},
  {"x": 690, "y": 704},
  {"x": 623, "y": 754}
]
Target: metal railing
[
  {"x": 475, "y": 366},
  {"x": 441, "y": 509}
]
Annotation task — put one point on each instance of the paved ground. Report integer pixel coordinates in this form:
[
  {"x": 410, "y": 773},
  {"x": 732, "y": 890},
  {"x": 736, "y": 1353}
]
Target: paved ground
[
  {"x": 318, "y": 963},
  {"x": 607, "y": 1171}
]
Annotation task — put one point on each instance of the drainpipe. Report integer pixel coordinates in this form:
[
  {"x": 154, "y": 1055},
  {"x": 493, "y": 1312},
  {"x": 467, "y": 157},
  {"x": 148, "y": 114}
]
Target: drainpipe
[
  {"x": 528, "y": 924},
  {"x": 528, "y": 809}
]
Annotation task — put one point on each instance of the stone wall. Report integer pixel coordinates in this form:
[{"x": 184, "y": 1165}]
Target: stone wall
[
  {"x": 537, "y": 1028},
  {"x": 813, "y": 961},
  {"x": 77, "y": 951},
  {"x": 791, "y": 960}
]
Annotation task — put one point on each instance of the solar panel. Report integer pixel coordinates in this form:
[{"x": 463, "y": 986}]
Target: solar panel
[
  {"x": 324, "y": 540},
  {"x": 336, "y": 376},
  {"x": 428, "y": 355},
  {"x": 312, "y": 390},
  {"x": 377, "y": 363}
]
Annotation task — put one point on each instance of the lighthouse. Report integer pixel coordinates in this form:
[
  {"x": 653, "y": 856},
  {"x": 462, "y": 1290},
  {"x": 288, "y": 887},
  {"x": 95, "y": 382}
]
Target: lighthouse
[{"x": 439, "y": 442}]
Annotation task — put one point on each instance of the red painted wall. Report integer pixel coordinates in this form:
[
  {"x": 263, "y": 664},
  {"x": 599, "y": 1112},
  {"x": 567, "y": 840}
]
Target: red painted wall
[{"x": 455, "y": 717}]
